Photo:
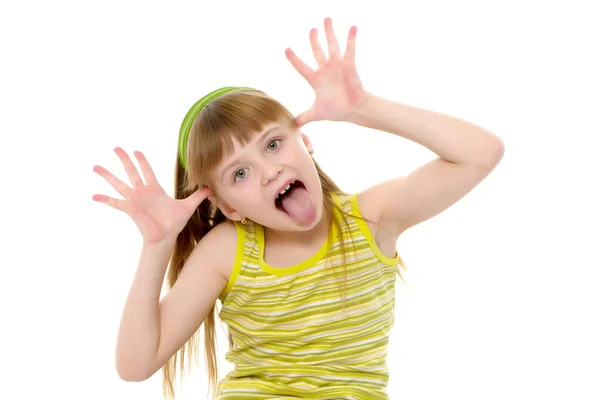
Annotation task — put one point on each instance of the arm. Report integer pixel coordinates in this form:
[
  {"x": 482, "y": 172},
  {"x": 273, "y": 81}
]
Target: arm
[
  {"x": 152, "y": 331},
  {"x": 467, "y": 154}
]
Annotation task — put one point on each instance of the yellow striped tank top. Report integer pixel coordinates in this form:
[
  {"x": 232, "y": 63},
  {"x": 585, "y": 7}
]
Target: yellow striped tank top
[{"x": 290, "y": 337}]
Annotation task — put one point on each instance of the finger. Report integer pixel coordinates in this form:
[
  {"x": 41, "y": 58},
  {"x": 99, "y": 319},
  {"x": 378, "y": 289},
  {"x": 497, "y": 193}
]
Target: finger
[
  {"x": 316, "y": 47},
  {"x": 117, "y": 204},
  {"x": 131, "y": 170},
  {"x": 305, "y": 117},
  {"x": 146, "y": 168},
  {"x": 351, "y": 45},
  {"x": 194, "y": 200},
  {"x": 115, "y": 182},
  {"x": 299, "y": 65},
  {"x": 332, "y": 43}
]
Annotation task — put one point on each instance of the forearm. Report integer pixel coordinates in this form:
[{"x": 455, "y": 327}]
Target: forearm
[
  {"x": 450, "y": 138},
  {"x": 139, "y": 332}
]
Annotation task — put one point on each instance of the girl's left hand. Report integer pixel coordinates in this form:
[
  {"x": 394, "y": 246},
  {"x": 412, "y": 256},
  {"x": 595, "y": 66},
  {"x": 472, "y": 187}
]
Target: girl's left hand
[{"x": 337, "y": 86}]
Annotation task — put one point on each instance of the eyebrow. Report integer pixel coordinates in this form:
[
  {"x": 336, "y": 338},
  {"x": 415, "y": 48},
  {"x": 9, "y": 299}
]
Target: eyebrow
[{"x": 260, "y": 139}]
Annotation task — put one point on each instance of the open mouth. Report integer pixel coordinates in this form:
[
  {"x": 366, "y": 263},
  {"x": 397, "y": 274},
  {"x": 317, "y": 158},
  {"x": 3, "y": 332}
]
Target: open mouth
[{"x": 285, "y": 192}]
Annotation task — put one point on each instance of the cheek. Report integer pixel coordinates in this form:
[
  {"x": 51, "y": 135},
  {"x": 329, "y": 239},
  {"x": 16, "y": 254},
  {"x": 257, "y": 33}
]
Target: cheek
[
  {"x": 306, "y": 160},
  {"x": 298, "y": 155},
  {"x": 243, "y": 192}
]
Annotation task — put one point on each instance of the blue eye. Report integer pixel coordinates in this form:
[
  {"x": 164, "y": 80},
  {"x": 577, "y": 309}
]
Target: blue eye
[
  {"x": 240, "y": 174},
  {"x": 274, "y": 142}
]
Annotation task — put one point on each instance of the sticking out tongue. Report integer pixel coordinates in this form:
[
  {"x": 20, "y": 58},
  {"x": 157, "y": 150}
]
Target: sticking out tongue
[{"x": 299, "y": 205}]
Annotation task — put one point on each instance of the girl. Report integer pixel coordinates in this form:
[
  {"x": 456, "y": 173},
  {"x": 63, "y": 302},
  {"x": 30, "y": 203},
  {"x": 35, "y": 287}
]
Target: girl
[{"x": 305, "y": 273}]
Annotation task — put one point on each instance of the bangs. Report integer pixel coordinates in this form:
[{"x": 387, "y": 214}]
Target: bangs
[{"x": 233, "y": 117}]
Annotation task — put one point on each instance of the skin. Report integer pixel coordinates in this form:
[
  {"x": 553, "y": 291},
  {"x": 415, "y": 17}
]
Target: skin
[
  {"x": 153, "y": 329},
  {"x": 246, "y": 182}
]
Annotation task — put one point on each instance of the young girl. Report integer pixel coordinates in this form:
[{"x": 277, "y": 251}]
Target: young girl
[{"x": 304, "y": 272}]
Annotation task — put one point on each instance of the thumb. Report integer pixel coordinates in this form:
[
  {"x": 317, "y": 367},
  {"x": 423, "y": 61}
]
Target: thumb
[
  {"x": 194, "y": 200},
  {"x": 305, "y": 117}
]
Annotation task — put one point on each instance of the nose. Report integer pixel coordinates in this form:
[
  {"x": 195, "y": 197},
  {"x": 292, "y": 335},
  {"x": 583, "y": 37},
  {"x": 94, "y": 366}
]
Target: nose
[{"x": 270, "y": 172}]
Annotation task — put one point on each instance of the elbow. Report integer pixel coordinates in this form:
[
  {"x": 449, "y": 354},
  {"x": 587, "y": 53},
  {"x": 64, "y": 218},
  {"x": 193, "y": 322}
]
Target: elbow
[
  {"x": 130, "y": 371},
  {"x": 131, "y": 376},
  {"x": 492, "y": 157},
  {"x": 497, "y": 153}
]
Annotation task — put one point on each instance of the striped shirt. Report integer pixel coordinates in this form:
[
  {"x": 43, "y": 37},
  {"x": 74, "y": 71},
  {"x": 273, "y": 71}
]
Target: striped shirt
[{"x": 291, "y": 339}]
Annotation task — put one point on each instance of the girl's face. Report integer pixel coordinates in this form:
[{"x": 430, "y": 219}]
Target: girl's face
[{"x": 248, "y": 181}]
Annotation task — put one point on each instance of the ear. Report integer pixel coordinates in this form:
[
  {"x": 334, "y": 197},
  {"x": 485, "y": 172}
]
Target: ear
[
  {"x": 306, "y": 142},
  {"x": 229, "y": 212}
]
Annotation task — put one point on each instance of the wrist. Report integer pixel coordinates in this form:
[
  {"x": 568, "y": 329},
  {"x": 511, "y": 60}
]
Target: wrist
[
  {"x": 162, "y": 246},
  {"x": 360, "y": 113}
]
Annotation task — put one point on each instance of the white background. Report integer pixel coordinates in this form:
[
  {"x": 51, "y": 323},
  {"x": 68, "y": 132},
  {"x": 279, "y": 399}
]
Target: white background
[{"x": 502, "y": 297}]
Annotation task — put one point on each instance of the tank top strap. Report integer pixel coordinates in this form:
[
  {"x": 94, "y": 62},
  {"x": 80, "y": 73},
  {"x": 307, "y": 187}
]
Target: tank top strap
[
  {"x": 246, "y": 256},
  {"x": 345, "y": 212},
  {"x": 355, "y": 227},
  {"x": 344, "y": 201}
]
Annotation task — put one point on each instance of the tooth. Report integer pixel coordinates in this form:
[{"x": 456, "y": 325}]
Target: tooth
[{"x": 285, "y": 189}]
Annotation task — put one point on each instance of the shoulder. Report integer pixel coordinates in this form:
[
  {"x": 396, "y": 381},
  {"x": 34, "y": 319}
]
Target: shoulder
[
  {"x": 371, "y": 203},
  {"x": 220, "y": 246},
  {"x": 365, "y": 208}
]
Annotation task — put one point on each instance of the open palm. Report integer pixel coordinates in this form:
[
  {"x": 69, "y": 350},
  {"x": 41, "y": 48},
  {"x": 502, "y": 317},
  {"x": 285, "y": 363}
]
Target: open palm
[
  {"x": 336, "y": 83},
  {"x": 157, "y": 215}
]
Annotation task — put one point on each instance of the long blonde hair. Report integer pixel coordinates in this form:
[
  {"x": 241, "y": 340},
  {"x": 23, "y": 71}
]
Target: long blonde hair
[{"x": 232, "y": 116}]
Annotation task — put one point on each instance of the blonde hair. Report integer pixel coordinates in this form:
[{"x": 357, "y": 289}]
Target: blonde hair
[{"x": 232, "y": 116}]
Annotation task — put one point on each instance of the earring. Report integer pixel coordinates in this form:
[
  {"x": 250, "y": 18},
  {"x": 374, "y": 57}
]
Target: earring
[{"x": 243, "y": 221}]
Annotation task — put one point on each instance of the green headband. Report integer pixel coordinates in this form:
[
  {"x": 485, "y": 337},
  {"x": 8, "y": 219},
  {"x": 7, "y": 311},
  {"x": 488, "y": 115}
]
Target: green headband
[{"x": 186, "y": 125}]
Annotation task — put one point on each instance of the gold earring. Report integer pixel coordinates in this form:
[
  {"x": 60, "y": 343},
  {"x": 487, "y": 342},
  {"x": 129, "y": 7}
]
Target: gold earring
[{"x": 243, "y": 221}]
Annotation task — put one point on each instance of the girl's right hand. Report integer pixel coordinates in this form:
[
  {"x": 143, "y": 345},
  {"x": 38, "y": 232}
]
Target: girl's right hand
[{"x": 157, "y": 215}]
